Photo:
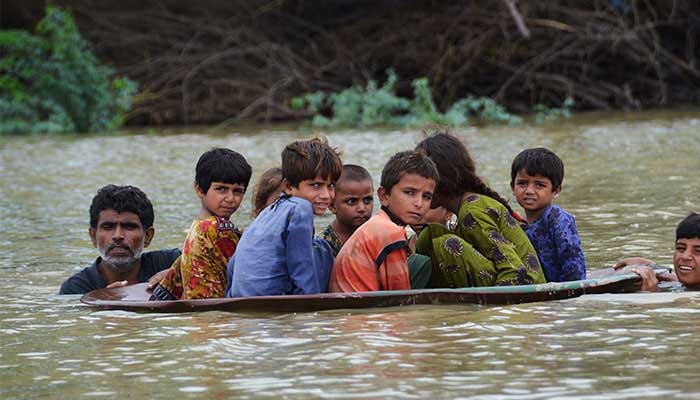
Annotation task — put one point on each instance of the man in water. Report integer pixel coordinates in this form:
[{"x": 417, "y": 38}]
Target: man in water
[
  {"x": 121, "y": 226},
  {"x": 686, "y": 259}
]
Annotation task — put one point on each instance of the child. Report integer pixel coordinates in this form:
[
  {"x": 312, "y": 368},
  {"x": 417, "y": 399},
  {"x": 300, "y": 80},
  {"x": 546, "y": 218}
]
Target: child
[
  {"x": 686, "y": 258},
  {"x": 487, "y": 247},
  {"x": 278, "y": 253},
  {"x": 267, "y": 190},
  {"x": 376, "y": 255},
  {"x": 352, "y": 205},
  {"x": 535, "y": 177},
  {"x": 221, "y": 179}
]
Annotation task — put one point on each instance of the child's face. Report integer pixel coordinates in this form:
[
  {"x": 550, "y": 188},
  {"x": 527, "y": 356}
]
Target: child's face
[
  {"x": 318, "y": 191},
  {"x": 410, "y": 198},
  {"x": 686, "y": 261},
  {"x": 533, "y": 192},
  {"x": 222, "y": 199},
  {"x": 353, "y": 203}
]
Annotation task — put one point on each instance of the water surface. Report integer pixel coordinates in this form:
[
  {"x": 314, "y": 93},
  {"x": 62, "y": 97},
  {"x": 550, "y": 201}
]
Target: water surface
[{"x": 629, "y": 179}]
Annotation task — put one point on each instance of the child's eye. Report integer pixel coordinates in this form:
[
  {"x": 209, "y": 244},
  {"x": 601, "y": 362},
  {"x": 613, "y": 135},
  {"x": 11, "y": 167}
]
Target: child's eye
[
  {"x": 368, "y": 200},
  {"x": 409, "y": 192},
  {"x": 220, "y": 189},
  {"x": 428, "y": 196},
  {"x": 331, "y": 186}
]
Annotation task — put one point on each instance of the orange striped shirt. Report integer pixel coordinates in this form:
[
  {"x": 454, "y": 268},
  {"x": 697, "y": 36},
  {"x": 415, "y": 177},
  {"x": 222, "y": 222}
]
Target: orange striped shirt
[{"x": 374, "y": 258}]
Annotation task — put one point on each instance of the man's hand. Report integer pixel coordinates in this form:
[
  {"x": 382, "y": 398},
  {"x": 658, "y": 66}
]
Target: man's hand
[
  {"x": 649, "y": 281},
  {"x": 632, "y": 261},
  {"x": 155, "y": 279},
  {"x": 117, "y": 284}
]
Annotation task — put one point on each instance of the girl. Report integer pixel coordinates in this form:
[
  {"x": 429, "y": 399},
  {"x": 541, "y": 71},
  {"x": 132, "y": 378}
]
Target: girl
[{"x": 487, "y": 247}]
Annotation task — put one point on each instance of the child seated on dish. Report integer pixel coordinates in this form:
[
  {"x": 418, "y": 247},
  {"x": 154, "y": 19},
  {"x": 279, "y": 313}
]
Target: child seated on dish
[
  {"x": 267, "y": 190},
  {"x": 487, "y": 247},
  {"x": 536, "y": 177},
  {"x": 278, "y": 253},
  {"x": 221, "y": 179},
  {"x": 352, "y": 205},
  {"x": 375, "y": 257}
]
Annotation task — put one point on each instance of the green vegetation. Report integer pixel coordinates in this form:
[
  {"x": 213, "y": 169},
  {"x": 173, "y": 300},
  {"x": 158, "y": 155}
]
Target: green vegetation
[
  {"x": 379, "y": 105},
  {"x": 51, "y": 82}
]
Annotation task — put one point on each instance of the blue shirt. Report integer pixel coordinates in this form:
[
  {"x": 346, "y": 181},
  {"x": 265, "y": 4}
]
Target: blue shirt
[
  {"x": 558, "y": 246},
  {"x": 278, "y": 254}
]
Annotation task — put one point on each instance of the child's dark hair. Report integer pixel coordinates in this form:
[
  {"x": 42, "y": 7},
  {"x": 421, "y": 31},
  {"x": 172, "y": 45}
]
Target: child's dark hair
[
  {"x": 408, "y": 162},
  {"x": 456, "y": 167},
  {"x": 307, "y": 159},
  {"x": 268, "y": 183},
  {"x": 538, "y": 161},
  {"x": 353, "y": 173},
  {"x": 689, "y": 228},
  {"x": 122, "y": 199},
  {"x": 222, "y": 165}
]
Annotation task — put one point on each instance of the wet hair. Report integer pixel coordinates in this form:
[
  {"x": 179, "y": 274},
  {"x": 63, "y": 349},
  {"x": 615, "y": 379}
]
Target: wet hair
[
  {"x": 538, "y": 161},
  {"x": 222, "y": 165},
  {"x": 353, "y": 173},
  {"x": 307, "y": 159},
  {"x": 268, "y": 183},
  {"x": 408, "y": 162},
  {"x": 689, "y": 228},
  {"x": 456, "y": 167},
  {"x": 122, "y": 199}
]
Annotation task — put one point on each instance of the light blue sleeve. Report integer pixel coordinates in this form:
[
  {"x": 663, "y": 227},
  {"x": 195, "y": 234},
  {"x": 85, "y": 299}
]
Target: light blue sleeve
[
  {"x": 229, "y": 276},
  {"x": 305, "y": 276}
]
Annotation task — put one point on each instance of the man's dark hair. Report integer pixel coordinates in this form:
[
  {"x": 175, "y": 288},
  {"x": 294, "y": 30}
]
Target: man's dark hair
[
  {"x": 689, "y": 228},
  {"x": 122, "y": 199},
  {"x": 353, "y": 173},
  {"x": 408, "y": 162},
  {"x": 307, "y": 159},
  {"x": 538, "y": 161},
  {"x": 222, "y": 165}
]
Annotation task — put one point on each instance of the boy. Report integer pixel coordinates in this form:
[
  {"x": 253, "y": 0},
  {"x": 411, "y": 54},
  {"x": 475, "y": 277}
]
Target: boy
[
  {"x": 221, "y": 179},
  {"x": 278, "y": 254},
  {"x": 536, "y": 179},
  {"x": 686, "y": 258},
  {"x": 352, "y": 205},
  {"x": 376, "y": 255},
  {"x": 121, "y": 227}
]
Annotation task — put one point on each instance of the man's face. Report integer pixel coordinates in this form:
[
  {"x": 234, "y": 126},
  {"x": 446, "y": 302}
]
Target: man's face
[
  {"x": 686, "y": 261},
  {"x": 120, "y": 238}
]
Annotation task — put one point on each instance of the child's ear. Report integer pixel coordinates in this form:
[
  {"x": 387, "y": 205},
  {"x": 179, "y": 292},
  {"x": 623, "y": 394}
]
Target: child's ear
[
  {"x": 199, "y": 191},
  {"x": 331, "y": 207},
  {"x": 286, "y": 186},
  {"x": 557, "y": 191},
  {"x": 383, "y": 196}
]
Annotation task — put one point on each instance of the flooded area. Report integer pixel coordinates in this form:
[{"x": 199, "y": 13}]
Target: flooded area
[{"x": 630, "y": 178}]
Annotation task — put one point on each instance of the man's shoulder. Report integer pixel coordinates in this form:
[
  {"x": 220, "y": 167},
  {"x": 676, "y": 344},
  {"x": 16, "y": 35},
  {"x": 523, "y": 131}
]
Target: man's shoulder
[
  {"x": 159, "y": 260},
  {"x": 83, "y": 281}
]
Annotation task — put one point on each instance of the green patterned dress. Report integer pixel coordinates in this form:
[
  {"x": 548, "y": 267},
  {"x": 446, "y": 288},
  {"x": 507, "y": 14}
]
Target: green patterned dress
[{"x": 487, "y": 248}]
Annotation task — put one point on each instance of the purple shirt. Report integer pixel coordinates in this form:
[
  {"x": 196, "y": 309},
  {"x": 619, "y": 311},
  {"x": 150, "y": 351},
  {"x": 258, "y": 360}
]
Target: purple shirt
[{"x": 558, "y": 246}]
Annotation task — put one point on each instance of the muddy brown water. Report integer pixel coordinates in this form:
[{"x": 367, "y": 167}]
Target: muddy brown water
[{"x": 629, "y": 179}]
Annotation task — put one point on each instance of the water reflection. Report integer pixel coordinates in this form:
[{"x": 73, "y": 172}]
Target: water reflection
[{"x": 628, "y": 181}]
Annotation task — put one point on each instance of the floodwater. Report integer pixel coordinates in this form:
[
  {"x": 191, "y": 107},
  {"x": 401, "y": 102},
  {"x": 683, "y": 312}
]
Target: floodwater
[{"x": 629, "y": 179}]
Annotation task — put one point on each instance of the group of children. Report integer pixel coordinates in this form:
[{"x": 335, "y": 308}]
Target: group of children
[{"x": 468, "y": 234}]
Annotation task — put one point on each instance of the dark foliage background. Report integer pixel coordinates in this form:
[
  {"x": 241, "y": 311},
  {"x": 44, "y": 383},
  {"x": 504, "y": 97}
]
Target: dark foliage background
[{"x": 211, "y": 61}]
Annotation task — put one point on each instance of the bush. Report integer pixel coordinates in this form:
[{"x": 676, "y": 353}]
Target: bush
[
  {"x": 375, "y": 105},
  {"x": 51, "y": 82}
]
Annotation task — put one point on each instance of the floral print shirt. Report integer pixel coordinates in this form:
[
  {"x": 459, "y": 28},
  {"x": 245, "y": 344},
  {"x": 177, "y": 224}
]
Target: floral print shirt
[{"x": 200, "y": 272}]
